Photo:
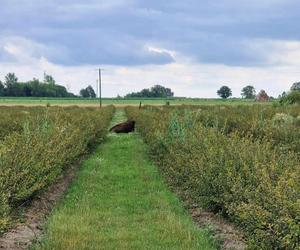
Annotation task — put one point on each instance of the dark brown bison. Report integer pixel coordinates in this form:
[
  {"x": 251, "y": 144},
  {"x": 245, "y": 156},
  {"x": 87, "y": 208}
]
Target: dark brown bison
[{"x": 124, "y": 127}]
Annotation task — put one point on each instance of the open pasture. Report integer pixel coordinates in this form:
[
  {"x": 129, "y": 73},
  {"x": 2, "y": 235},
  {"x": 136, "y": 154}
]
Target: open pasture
[{"x": 119, "y": 102}]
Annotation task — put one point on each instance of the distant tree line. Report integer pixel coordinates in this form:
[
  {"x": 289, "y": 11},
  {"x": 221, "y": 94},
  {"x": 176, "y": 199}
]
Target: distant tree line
[
  {"x": 88, "y": 92},
  {"x": 34, "y": 88},
  {"x": 155, "y": 91},
  {"x": 248, "y": 92},
  {"x": 12, "y": 87},
  {"x": 292, "y": 96}
]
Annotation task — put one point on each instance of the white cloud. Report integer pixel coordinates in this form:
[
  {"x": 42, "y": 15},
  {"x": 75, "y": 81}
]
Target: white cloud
[
  {"x": 22, "y": 50},
  {"x": 161, "y": 51},
  {"x": 184, "y": 76},
  {"x": 286, "y": 53}
]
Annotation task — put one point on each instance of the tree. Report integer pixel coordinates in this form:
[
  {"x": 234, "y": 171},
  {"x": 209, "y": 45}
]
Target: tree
[
  {"x": 10, "y": 78},
  {"x": 83, "y": 93},
  {"x": 48, "y": 79},
  {"x": 284, "y": 94},
  {"x": 36, "y": 88},
  {"x": 1, "y": 89},
  {"x": 10, "y": 83},
  {"x": 48, "y": 88},
  {"x": 248, "y": 92},
  {"x": 145, "y": 93},
  {"x": 91, "y": 91},
  {"x": 262, "y": 96},
  {"x": 295, "y": 86},
  {"x": 224, "y": 92},
  {"x": 155, "y": 91},
  {"x": 161, "y": 91},
  {"x": 88, "y": 92},
  {"x": 292, "y": 98}
]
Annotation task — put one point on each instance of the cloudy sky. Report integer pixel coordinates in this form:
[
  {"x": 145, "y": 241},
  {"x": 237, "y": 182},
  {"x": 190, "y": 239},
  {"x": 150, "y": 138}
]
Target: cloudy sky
[{"x": 191, "y": 46}]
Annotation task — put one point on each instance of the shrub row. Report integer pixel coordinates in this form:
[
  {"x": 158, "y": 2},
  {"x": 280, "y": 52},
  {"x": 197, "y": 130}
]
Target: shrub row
[
  {"x": 247, "y": 180},
  {"x": 33, "y": 157},
  {"x": 278, "y": 125},
  {"x": 12, "y": 118}
]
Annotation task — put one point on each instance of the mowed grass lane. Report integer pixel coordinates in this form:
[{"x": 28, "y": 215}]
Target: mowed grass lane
[{"x": 120, "y": 201}]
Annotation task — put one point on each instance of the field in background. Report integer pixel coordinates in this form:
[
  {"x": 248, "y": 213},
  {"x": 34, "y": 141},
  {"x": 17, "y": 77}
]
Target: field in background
[{"x": 33, "y": 101}]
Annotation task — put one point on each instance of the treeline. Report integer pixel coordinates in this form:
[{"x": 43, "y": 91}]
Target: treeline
[
  {"x": 155, "y": 91},
  {"x": 34, "y": 88}
]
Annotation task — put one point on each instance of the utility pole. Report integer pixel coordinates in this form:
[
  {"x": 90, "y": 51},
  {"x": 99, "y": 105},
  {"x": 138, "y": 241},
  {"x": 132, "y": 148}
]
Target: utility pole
[
  {"x": 100, "y": 97},
  {"x": 97, "y": 91}
]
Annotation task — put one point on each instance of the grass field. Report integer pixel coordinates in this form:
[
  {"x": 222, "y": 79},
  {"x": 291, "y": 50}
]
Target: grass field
[
  {"x": 120, "y": 201},
  {"x": 31, "y": 101}
]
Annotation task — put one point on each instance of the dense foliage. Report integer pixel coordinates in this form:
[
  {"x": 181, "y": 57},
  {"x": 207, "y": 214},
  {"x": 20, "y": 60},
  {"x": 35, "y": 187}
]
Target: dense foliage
[
  {"x": 224, "y": 92},
  {"x": 88, "y": 92},
  {"x": 262, "y": 96},
  {"x": 295, "y": 86},
  {"x": 155, "y": 91},
  {"x": 34, "y": 88},
  {"x": 240, "y": 161},
  {"x": 292, "y": 97},
  {"x": 39, "y": 144},
  {"x": 248, "y": 92}
]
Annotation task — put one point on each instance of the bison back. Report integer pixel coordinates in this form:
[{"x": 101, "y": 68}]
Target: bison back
[{"x": 124, "y": 127}]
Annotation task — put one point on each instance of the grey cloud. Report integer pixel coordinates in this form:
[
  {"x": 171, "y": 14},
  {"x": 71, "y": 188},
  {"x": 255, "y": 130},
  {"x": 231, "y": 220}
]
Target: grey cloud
[{"x": 117, "y": 31}]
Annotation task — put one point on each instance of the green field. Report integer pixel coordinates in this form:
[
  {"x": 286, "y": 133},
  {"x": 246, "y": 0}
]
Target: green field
[
  {"x": 240, "y": 161},
  {"x": 32, "y": 101},
  {"x": 119, "y": 201}
]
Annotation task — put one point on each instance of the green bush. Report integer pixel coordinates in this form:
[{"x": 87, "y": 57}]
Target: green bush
[
  {"x": 12, "y": 118},
  {"x": 33, "y": 157},
  {"x": 247, "y": 179},
  {"x": 292, "y": 98},
  {"x": 258, "y": 121}
]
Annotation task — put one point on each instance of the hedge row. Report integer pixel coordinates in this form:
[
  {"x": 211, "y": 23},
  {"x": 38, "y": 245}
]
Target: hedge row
[
  {"x": 12, "y": 118},
  {"x": 247, "y": 180},
  {"x": 33, "y": 157},
  {"x": 278, "y": 125}
]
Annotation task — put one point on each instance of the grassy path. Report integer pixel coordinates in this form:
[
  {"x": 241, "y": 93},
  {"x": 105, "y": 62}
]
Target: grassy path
[{"x": 119, "y": 201}]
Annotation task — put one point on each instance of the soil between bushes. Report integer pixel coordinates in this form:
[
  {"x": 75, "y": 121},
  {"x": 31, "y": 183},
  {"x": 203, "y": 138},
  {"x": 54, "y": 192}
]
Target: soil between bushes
[
  {"x": 34, "y": 214},
  {"x": 223, "y": 231},
  {"x": 226, "y": 234}
]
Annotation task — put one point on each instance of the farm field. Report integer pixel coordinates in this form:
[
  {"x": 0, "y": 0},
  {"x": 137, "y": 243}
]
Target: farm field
[
  {"x": 119, "y": 201},
  {"x": 130, "y": 124},
  {"x": 239, "y": 161},
  {"x": 37, "y": 144},
  {"x": 13, "y": 101}
]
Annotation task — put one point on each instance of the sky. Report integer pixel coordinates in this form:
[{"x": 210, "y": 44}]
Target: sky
[{"x": 191, "y": 46}]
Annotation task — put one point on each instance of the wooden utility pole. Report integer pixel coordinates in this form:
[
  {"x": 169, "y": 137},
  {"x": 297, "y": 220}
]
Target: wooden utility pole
[
  {"x": 100, "y": 97},
  {"x": 97, "y": 86}
]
